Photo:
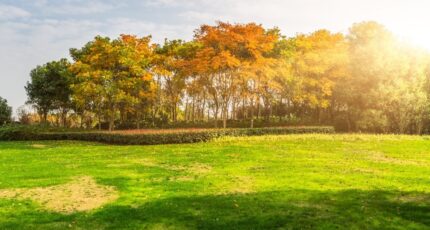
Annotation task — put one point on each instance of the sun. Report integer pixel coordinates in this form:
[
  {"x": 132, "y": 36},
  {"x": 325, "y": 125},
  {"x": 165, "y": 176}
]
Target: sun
[
  {"x": 418, "y": 40},
  {"x": 412, "y": 33}
]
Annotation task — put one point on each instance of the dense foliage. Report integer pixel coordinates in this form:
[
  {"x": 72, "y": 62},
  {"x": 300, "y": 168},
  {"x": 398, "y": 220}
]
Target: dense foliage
[
  {"x": 13, "y": 133},
  {"x": 5, "y": 112},
  {"x": 49, "y": 89},
  {"x": 365, "y": 80}
]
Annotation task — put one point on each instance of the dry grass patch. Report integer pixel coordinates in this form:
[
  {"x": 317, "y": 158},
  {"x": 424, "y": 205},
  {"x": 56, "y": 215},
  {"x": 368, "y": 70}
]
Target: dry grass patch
[
  {"x": 414, "y": 198},
  {"x": 380, "y": 157},
  {"x": 199, "y": 168},
  {"x": 183, "y": 178},
  {"x": 240, "y": 185},
  {"x": 81, "y": 194},
  {"x": 38, "y": 146}
]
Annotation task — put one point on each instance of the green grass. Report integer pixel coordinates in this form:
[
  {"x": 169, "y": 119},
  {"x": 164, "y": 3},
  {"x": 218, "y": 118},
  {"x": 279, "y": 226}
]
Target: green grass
[{"x": 269, "y": 182}]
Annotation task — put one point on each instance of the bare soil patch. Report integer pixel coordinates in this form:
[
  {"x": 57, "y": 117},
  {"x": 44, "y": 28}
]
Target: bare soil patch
[
  {"x": 81, "y": 194},
  {"x": 38, "y": 146},
  {"x": 380, "y": 157}
]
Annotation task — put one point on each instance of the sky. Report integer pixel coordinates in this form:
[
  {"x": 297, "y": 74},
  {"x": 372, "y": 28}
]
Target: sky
[{"x": 33, "y": 32}]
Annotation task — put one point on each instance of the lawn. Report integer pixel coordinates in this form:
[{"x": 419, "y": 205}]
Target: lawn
[{"x": 309, "y": 181}]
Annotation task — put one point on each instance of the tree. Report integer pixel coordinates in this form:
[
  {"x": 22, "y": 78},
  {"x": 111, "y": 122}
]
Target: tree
[
  {"x": 386, "y": 78},
  {"x": 112, "y": 74},
  {"x": 226, "y": 50},
  {"x": 319, "y": 62},
  {"x": 365, "y": 80},
  {"x": 5, "y": 112},
  {"x": 170, "y": 65},
  {"x": 23, "y": 115},
  {"x": 49, "y": 88},
  {"x": 371, "y": 53}
]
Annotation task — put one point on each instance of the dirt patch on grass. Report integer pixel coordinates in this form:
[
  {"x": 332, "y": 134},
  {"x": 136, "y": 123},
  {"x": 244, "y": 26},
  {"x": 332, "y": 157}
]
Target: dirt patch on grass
[
  {"x": 38, "y": 146},
  {"x": 380, "y": 157},
  {"x": 81, "y": 194},
  {"x": 414, "y": 198},
  {"x": 364, "y": 171},
  {"x": 183, "y": 178},
  {"x": 241, "y": 185},
  {"x": 144, "y": 162},
  {"x": 199, "y": 168}
]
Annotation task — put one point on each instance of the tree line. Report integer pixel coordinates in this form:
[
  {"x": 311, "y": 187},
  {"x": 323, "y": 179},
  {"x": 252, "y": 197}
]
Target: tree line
[{"x": 365, "y": 80}]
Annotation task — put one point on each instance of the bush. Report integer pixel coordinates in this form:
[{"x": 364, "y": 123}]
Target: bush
[
  {"x": 31, "y": 132},
  {"x": 164, "y": 124},
  {"x": 152, "y": 138}
]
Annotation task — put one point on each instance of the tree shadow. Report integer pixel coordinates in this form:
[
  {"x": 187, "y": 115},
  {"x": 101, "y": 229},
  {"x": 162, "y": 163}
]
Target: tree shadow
[{"x": 293, "y": 209}]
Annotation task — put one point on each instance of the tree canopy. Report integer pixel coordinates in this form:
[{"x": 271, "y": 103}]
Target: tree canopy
[
  {"x": 363, "y": 80},
  {"x": 5, "y": 112},
  {"x": 49, "y": 88}
]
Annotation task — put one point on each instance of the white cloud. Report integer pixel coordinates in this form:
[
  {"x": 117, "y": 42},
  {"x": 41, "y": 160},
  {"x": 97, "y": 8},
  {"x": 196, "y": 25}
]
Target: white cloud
[
  {"x": 75, "y": 7},
  {"x": 42, "y": 41},
  {"x": 144, "y": 28},
  {"x": 8, "y": 12},
  {"x": 172, "y": 3}
]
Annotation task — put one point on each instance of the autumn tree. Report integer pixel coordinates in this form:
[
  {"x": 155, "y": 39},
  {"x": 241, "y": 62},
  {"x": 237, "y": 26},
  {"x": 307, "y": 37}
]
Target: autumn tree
[
  {"x": 365, "y": 80},
  {"x": 260, "y": 66},
  {"x": 112, "y": 74},
  {"x": 319, "y": 62},
  {"x": 170, "y": 66},
  {"x": 226, "y": 50}
]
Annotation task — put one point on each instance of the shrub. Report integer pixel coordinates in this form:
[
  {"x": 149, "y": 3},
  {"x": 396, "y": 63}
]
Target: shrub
[
  {"x": 30, "y": 132},
  {"x": 153, "y": 138}
]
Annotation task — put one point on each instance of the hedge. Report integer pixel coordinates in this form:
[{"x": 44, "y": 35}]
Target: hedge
[{"x": 153, "y": 138}]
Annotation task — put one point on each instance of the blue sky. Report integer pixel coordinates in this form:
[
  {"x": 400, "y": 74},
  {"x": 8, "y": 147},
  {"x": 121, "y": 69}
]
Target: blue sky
[{"x": 37, "y": 31}]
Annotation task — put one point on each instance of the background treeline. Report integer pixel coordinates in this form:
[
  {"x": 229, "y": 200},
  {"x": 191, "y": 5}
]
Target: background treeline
[{"x": 234, "y": 75}]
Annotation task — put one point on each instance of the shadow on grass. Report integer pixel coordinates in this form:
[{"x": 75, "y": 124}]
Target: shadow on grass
[{"x": 295, "y": 209}]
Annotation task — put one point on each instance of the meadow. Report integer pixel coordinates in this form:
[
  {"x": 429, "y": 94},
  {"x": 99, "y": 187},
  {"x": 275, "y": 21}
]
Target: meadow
[{"x": 305, "y": 181}]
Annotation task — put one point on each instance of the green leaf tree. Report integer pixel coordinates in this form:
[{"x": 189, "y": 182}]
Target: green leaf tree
[
  {"x": 49, "y": 88},
  {"x": 5, "y": 112}
]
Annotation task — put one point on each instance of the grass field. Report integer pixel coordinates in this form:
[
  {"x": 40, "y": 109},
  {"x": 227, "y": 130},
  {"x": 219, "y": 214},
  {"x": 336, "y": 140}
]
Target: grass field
[{"x": 270, "y": 182}]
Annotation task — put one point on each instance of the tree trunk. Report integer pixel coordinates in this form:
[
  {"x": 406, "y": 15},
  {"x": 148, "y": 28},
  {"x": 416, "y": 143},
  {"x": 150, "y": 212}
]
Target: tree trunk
[
  {"x": 348, "y": 120},
  {"x": 186, "y": 110},
  {"x": 111, "y": 123},
  {"x": 193, "y": 110},
  {"x": 203, "y": 108},
  {"x": 174, "y": 113},
  {"x": 233, "y": 110},
  {"x": 44, "y": 117},
  {"x": 64, "y": 117},
  {"x": 216, "y": 115},
  {"x": 81, "y": 121},
  {"x": 100, "y": 122},
  {"x": 252, "y": 113},
  {"x": 138, "y": 119},
  {"x": 225, "y": 115},
  {"x": 244, "y": 110},
  {"x": 258, "y": 108},
  {"x": 112, "y": 120}
]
